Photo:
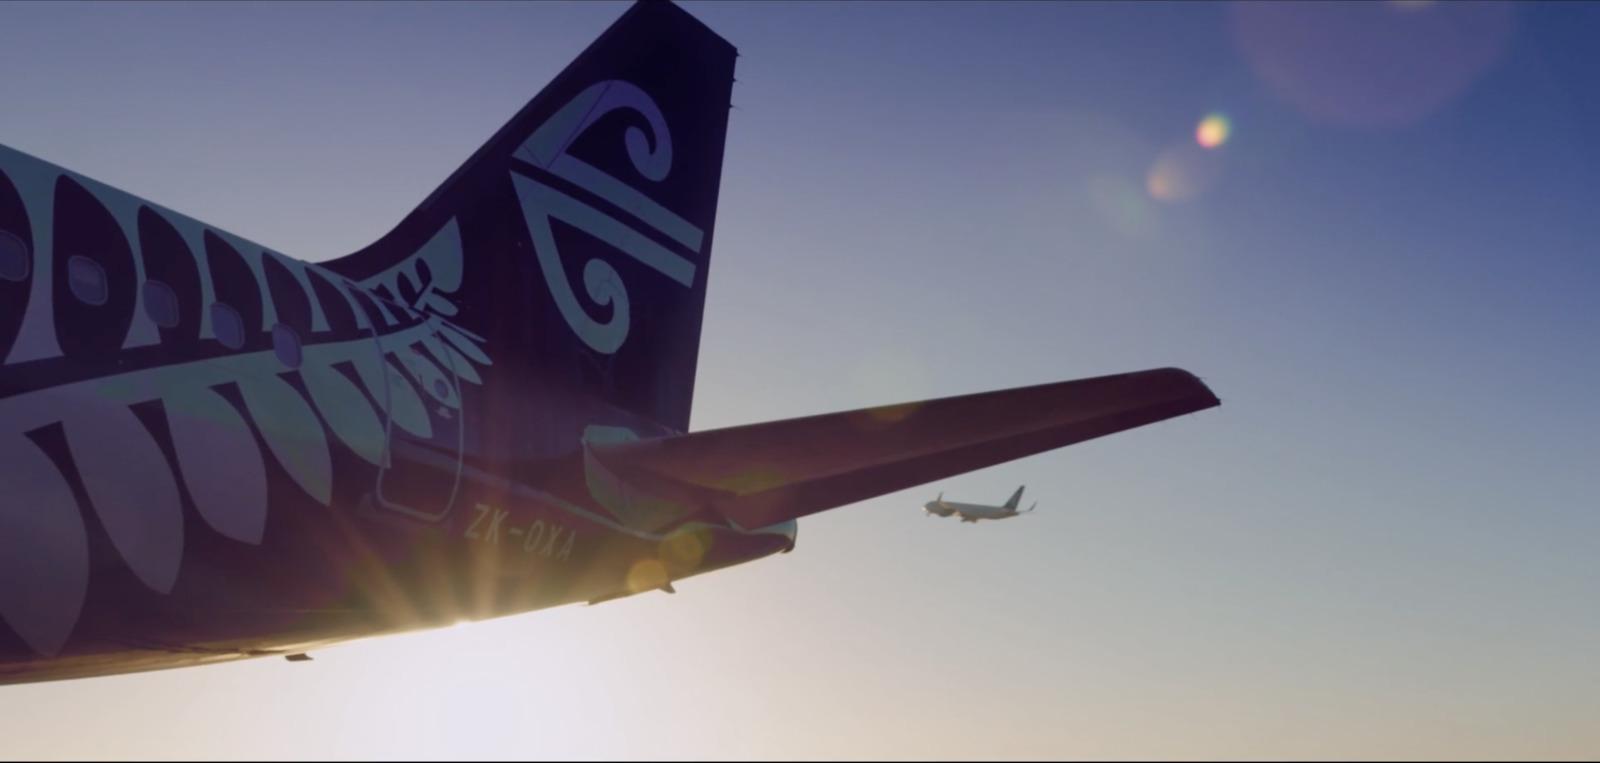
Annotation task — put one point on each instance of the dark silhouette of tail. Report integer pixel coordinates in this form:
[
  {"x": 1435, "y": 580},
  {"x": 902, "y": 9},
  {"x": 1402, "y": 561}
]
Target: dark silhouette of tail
[{"x": 576, "y": 242}]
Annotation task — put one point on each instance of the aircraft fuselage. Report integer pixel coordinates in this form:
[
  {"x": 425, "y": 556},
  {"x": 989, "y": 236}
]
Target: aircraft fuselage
[
  {"x": 257, "y": 455},
  {"x": 968, "y": 512}
]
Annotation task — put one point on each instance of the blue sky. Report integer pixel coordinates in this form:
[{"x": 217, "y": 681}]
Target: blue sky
[{"x": 1379, "y": 546}]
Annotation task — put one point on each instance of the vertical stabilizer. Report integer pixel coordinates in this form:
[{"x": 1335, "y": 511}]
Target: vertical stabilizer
[{"x": 583, "y": 228}]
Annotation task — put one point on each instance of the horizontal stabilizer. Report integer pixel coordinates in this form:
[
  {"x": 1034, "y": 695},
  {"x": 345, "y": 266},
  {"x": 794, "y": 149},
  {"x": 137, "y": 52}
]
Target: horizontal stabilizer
[{"x": 760, "y": 475}]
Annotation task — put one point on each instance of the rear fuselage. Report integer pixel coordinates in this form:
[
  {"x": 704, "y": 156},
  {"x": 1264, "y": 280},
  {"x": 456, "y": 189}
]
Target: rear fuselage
[
  {"x": 209, "y": 450},
  {"x": 213, "y": 451}
]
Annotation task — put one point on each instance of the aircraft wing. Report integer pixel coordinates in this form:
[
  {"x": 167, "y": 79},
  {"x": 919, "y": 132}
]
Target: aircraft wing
[{"x": 759, "y": 475}]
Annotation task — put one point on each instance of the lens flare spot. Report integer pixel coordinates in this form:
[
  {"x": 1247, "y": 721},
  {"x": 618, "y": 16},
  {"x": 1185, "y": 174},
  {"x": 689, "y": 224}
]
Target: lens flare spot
[
  {"x": 647, "y": 575},
  {"x": 1118, "y": 203},
  {"x": 753, "y": 480},
  {"x": 1213, "y": 131},
  {"x": 681, "y": 553},
  {"x": 892, "y": 413},
  {"x": 1371, "y": 66},
  {"x": 1182, "y": 172},
  {"x": 893, "y": 375}
]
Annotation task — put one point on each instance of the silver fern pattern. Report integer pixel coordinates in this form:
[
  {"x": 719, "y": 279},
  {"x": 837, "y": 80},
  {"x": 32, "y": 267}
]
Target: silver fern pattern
[{"x": 133, "y": 488}]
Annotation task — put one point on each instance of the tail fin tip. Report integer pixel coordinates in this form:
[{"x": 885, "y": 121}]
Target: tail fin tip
[{"x": 592, "y": 207}]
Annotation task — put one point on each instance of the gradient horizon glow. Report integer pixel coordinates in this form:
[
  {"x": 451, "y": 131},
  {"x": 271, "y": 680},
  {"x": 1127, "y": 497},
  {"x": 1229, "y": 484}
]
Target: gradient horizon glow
[{"x": 1380, "y": 546}]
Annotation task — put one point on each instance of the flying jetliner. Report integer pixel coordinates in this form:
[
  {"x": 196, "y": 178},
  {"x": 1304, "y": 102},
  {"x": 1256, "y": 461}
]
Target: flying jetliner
[
  {"x": 972, "y": 512},
  {"x": 211, "y": 451}
]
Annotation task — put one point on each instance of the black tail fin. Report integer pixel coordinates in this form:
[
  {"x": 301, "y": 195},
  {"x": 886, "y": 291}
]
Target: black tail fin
[
  {"x": 1016, "y": 499},
  {"x": 576, "y": 241}
]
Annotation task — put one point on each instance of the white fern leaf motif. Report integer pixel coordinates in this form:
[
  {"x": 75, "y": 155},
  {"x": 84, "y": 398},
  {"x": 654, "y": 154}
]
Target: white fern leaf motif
[
  {"x": 428, "y": 276},
  {"x": 130, "y": 485},
  {"x": 127, "y": 480},
  {"x": 44, "y": 549},
  {"x": 125, "y": 477},
  {"x": 450, "y": 359},
  {"x": 292, "y": 432},
  {"x": 220, "y": 464},
  {"x": 428, "y": 376},
  {"x": 405, "y": 405},
  {"x": 345, "y": 410},
  {"x": 465, "y": 343}
]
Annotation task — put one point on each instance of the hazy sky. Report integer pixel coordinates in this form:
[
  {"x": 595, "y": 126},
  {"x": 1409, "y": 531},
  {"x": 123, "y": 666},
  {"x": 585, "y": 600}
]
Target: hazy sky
[{"x": 1381, "y": 545}]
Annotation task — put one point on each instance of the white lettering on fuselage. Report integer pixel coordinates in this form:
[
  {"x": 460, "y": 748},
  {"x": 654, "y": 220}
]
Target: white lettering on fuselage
[
  {"x": 494, "y": 525},
  {"x": 540, "y": 538},
  {"x": 472, "y": 530}
]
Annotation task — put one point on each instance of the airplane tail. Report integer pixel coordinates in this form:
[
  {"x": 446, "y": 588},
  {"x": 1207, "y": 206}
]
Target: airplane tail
[
  {"x": 572, "y": 248},
  {"x": 1016, "y": 499}
]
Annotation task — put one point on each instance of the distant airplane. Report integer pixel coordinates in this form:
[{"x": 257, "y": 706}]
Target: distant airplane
[
  {"x": 972, "y": 512},
  {"x": 211, "y": 451}
]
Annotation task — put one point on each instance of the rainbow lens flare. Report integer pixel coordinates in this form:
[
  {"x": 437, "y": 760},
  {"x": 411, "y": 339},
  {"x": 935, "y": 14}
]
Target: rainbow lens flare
[{"x": 1213, "y": 131}]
